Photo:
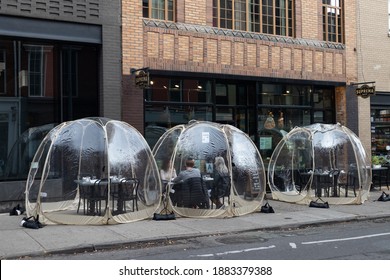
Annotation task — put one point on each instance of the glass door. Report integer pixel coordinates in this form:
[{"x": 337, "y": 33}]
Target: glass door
[{"x": 8, "y": 132}]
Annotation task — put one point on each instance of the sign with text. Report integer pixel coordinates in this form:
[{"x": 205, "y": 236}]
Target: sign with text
[
  {"x": 142, "y": 79},
  {"x": 365, "y": 91}
]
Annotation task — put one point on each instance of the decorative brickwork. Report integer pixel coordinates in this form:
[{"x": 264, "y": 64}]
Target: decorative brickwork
[
  {"x": 192, "y": 44},
  {"x": 237, "y": 52}
]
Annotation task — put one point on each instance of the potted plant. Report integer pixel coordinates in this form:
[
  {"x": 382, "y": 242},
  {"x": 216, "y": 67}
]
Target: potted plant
[{"x": 376, "y": 161}]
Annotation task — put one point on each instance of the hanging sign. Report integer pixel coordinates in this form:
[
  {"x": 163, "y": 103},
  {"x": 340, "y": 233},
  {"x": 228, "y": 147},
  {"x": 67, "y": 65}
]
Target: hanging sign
[
  {"x": 142, "y": 79},
  {"x": 365, "y": 91}
]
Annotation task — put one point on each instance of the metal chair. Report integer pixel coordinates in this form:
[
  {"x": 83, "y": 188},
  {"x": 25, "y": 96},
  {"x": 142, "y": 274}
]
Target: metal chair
[
  {"x": 97, "y": 193},
  {"x": 127, "y": 190},
  {"x": 348, "y": 181},
  {"x": 191, "y": 193}
]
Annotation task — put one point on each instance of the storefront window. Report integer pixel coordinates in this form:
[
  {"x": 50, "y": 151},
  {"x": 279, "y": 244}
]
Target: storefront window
[
  {"x": 380, "y": 131},
  {"x": 41, "y": 84},
  {"x": 177, "y": 90},
  {"x": 265, "y": 116},
  {"x": 281, "y": 107},
  {"x": 169, "y": 102},
  {"x": 278, "y": 94},
  {"x": 2, "y": 72}
]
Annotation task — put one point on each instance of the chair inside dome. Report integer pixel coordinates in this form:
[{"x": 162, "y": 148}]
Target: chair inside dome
[
  {"x": 320, "y": 162},
  {"x": 93, "y": 171},
  {"x": 227, "y": 161}
]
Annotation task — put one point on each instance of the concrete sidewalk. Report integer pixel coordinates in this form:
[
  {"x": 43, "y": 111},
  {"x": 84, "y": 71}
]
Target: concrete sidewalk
[{"x": 18, "y": 242}]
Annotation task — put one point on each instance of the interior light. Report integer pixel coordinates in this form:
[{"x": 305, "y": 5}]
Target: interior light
[
  {"x": 165, "y": 87},
  {"x": 199, "y": 87},
  {"x": 151, "y": 82},
  {"x": 176, "y": 86}
]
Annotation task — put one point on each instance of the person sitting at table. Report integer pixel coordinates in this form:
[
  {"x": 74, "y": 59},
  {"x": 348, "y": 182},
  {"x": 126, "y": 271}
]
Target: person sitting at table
[
  {"x": 189, "y": 191},
  {"x": 189, "y": 172},
  {"x": 221, "y": 185},
  {"x": 167, "y": 171}
]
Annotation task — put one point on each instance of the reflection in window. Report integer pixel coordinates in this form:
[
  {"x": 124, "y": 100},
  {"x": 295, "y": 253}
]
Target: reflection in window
[
  {"x": 230, "y": 94},
  {"x": 333, "y": 20},
  {"x": 277, "y": 94},
  {"x": 179, "y": 90},
  {"x": 35, "y": 70},
  {"x": 2, "y": 72},
  {"x": 175, "y": 90},
  {"x": 267, "y": 16},
  {"x": 323, "y": 98},
  {"x": 159, "y": 9},
  {"x": 70, "y": 75}
]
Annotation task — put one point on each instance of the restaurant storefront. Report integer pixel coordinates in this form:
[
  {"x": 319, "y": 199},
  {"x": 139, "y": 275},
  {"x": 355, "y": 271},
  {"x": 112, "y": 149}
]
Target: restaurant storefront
[
  {"x": 41, "y": 83},
  {"x": 264, "y": 109},
  {"x": 47, "y": 76},
  {"x": 380, "y": 125}
]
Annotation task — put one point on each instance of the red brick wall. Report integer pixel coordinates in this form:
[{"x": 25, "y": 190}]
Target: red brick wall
[{"x": 185, "y": 50}]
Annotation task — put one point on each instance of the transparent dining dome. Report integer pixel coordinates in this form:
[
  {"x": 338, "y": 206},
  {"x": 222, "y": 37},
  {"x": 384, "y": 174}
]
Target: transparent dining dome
[
  {"x": 93, "y": 171},
  {"x": 320, "y": 162},
  {"x": 230, "y": 166}
]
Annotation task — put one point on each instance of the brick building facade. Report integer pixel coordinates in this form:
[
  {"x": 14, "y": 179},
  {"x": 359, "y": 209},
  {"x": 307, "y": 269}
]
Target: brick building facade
[
  {"x": 191, "y": 46},
  {"x": 199, "y": 68}
]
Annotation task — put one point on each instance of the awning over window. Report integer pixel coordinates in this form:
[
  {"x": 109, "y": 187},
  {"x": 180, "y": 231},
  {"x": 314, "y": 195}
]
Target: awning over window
[{"x": 53, "y": 30}]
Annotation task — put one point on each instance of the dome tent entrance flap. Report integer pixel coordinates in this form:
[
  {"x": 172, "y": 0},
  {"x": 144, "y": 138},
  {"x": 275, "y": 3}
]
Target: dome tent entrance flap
[
  {"x": 320, "y": 160},
  {"x": 93, "y": 171},
  {"x": 212, "y": 146}
]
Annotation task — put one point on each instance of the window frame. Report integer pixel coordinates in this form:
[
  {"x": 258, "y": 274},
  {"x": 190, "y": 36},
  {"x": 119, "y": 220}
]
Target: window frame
[
  {"x": 36, "y": 71},
  {"x": 149, "y": 7},
  {"x": 339, "y": 23},
  {"x": 3, "y": 72},
  {"x": 229, "y": 14}
]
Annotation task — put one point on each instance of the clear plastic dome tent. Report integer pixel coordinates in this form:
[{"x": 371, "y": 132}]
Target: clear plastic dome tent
[
  {"x": 93, "y": 171},
  {"x": 205, "y": 141},
  {"x": 320, "y": 161},
  {"x": 22, "y": 152}
]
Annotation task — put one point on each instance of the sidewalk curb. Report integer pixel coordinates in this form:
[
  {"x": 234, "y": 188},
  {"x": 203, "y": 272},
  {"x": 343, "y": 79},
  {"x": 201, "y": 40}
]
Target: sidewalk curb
[{"x": 138, "y": 243}]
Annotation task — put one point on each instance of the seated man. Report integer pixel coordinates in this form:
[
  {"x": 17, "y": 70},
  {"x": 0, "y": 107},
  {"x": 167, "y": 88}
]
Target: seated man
[
  {"x": 189, "y": 191},
  {"x": 189, "y": 172}
]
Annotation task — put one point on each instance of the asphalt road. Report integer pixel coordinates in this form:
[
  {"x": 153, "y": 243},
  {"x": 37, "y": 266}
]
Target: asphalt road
[{"x": 362, "y": 240}]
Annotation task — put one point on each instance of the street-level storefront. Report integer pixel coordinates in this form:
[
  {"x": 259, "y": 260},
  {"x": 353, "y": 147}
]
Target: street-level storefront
[
  {"x": 42, "y": 83},
  {"x": 380, "y": 125},
  {"x": 264, "y": 109},
  {"x": 46, "y": 78}
]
